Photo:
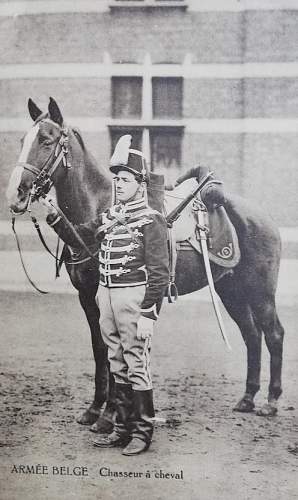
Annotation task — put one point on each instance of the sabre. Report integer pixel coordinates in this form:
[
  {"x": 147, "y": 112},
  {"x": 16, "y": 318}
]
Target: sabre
[{"x": 203, "y": 241}]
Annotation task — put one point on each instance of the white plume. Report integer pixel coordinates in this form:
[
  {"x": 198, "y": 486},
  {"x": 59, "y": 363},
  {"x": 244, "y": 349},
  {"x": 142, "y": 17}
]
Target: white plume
[{"x": 121, "y": 152}]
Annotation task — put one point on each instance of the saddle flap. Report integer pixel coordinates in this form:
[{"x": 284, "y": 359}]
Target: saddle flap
[
  {"x": 222, "y": 241},
  {"x": 223, "y": 246}
]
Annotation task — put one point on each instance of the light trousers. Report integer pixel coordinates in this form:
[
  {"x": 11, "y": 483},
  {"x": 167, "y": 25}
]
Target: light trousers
[{"x": 120, "y": 309}]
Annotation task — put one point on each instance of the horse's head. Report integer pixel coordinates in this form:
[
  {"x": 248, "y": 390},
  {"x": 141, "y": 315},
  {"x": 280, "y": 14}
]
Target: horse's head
[{"x": 43, "y": 150}]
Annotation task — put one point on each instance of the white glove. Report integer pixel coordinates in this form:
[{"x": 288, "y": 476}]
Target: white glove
[{"x": 144, "y": 328}]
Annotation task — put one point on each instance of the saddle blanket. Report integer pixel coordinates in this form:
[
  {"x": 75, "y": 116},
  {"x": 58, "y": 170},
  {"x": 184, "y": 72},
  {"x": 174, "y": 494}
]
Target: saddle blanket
[{"x": 223, "y": 246}]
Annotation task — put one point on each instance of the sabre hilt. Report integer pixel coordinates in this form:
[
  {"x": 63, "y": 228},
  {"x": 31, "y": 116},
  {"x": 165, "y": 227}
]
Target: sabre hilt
[{"x": 173, "y": 216}]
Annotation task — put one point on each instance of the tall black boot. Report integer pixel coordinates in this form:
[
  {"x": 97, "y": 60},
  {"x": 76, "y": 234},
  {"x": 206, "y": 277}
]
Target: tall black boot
[
  {"x": 141, "y": 423},
  {"x": 121, "y": 432}
]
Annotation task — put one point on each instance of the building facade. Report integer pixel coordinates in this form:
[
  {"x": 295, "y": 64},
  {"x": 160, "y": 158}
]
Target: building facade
[{"x": 194, "y": 81}]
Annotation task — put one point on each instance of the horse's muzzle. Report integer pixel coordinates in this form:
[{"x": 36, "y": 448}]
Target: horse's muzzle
[{"x": 19, "y": 207}]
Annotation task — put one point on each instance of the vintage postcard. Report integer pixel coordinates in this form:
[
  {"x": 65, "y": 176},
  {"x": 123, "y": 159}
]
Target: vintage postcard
[{"x": 158, "y": 139}]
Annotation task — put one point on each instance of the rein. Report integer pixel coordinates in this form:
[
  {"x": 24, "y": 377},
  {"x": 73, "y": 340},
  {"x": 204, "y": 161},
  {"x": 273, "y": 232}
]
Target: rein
[
  {"x": 58, "y": 260},
  {"x": 82, "y": 243},
  {"x": 22, "y": 260},
  {"x": 77, "y": 236}
]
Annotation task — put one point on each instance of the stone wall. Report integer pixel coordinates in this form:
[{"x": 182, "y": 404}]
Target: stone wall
[{"x": 262, "y": 166}]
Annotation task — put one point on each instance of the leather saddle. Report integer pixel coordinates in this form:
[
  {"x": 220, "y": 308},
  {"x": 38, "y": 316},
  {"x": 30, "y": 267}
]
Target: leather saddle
[{"x": 223, "y": 246}]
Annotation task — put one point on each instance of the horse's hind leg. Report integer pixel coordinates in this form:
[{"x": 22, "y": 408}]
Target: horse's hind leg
[
  {"x": 104, "y": 382},
  {"x": 235, "y": 301},
  {"x": 267, "y": 319}
]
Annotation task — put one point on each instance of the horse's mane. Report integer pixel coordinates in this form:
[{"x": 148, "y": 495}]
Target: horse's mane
[
  {"x": 95, "y": 169},
  {"x": 78, "y": 136}
]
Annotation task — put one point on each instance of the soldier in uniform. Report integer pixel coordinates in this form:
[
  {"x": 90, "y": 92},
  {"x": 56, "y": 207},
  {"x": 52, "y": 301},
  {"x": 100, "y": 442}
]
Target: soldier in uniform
[{"x": 134, "y": 272}]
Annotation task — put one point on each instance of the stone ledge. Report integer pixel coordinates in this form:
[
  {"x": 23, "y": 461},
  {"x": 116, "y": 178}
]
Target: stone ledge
[
  {"x": 30, "y": 241},
  {"x": 41, "y": 269}
]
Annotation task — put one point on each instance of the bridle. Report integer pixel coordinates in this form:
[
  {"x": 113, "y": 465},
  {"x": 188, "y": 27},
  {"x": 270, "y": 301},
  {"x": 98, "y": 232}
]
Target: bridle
[
  {"x": 44, "y": 176},
  {"x": 40, "y": 187}
]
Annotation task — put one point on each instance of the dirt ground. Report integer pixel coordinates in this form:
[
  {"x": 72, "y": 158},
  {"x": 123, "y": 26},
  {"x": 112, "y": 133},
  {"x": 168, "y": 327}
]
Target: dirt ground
[{"x": 203, "y": 451}]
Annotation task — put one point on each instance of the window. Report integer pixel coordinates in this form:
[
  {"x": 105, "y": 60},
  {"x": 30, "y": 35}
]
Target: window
[
  {"x": 149, "y": 108},
  {"x": 167, "y": 97},
  {"x": 136, "y": 134},
  {"x": 126, "y": 97},
  {"x": 166, "y": 152}
]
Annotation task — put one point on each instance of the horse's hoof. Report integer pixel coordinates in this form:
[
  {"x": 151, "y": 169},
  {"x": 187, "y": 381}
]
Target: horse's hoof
[
  {"x": 102, "y": 426},
  {"x": 267, "y": 410},
  {"x": 244, "y": 406},
  {"x": 89, "y": 416}
]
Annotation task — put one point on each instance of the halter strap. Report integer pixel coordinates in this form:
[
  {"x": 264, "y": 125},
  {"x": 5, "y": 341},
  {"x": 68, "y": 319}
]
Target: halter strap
[{"x": 29, "y": 167}]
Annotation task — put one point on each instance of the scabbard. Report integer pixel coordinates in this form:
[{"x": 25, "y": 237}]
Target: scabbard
[{"x": 203, "y": 241}]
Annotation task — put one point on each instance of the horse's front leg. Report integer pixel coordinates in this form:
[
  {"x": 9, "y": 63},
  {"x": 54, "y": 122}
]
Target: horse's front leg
[{"x": 104, "y": 382}]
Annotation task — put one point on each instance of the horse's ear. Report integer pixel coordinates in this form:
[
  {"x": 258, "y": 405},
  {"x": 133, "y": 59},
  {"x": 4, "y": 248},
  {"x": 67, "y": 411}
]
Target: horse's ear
[
  {"x": 54, "y": 112},
  {"x": 34, "y": 110}
]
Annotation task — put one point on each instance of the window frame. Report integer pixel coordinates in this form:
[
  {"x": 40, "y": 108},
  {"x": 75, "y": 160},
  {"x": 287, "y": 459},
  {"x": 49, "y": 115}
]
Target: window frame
[{"x": 147, "y": 123}]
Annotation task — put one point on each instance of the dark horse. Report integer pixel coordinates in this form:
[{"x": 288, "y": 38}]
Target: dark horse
[{"x": 248, "y": 292}]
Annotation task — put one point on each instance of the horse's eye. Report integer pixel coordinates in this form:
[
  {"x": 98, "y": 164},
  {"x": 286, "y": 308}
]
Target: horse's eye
[{"x": 44, "y": 140}]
